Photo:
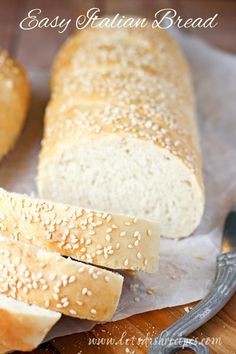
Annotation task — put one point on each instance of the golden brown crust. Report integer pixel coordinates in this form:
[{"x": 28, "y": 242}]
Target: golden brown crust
[
  {"x": 112, "y": 241},
  {"x": 14, "y": 98},
  {"x": 48, "y": 280}
]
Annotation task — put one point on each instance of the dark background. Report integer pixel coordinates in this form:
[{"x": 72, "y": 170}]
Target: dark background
[{"x": 36, "y": 48}]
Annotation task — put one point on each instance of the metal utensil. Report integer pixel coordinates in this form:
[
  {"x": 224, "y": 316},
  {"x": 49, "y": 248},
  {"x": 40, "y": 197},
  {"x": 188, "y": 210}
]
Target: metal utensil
[{"x": 224, "y": 286}]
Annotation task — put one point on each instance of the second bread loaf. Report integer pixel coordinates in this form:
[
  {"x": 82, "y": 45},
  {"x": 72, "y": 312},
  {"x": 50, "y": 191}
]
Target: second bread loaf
[{"x": 14, "y": 99}]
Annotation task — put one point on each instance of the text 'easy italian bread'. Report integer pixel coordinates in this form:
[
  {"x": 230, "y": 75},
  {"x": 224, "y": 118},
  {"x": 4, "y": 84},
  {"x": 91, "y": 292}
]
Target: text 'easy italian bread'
[
  {"x": 14, "y": 98},
  {"x": 120, "y": 133}
]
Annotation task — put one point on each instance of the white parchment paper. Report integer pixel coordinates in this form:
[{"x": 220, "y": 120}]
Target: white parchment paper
[{"x": 187, "y": 266}]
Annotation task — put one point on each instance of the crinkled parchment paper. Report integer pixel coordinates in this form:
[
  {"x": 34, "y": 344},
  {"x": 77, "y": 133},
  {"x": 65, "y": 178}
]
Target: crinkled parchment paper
[{"x": 187, "y": 266}]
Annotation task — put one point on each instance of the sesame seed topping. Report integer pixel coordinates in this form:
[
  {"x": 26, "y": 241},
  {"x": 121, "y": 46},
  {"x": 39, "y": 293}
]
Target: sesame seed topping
[
  {"x": 126, "y": 262},
  {"x": 108, "y": 238},
  {"x": 81, "y": 270},
  {"x": 93, "y": 311},
  {"x": 84, "y": 291},
  {"x": 109, "y": 217},
  {"x": 72, "y": 312},
  {"x": 139, "y": 255},
  {"x": 72, "y": 279},
  {"x": 107, "y": 279}
]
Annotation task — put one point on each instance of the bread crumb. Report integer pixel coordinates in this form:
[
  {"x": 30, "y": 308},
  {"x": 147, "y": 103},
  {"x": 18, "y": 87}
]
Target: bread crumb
[
  {"x": 152, "y": 291},
  {"x": 199, "y": 257},
  {"x": 187, "y": 309}
]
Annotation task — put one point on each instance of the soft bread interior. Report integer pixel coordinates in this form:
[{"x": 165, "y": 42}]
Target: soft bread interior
[
  {"x": 23, "y": 326},
  {"x": 126, "y": 176}
]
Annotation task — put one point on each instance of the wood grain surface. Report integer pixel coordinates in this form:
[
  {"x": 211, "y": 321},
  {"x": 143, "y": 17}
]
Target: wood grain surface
[{"x": 36, "y": 50}]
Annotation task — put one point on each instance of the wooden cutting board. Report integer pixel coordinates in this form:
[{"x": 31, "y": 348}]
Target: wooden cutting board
[{"x": 133, "y": 334}]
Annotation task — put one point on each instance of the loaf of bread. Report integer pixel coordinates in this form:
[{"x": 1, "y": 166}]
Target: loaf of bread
[
  {"x": 50, "y": 281},
  {"x": 107, "y": 240},
  {"x": 120, "y": 132},
  {"x": 23, "y": 327},
  {"x": 14, "y": 98}
]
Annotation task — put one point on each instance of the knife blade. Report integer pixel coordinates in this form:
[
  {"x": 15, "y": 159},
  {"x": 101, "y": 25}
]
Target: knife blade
[{"x": 229, "y": 232}]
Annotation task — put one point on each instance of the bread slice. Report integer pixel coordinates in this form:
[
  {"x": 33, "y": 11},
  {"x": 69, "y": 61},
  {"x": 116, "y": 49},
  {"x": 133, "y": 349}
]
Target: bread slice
[
  {"x": 112, "y": 241},
  {"x": 14, "y": 99},
  {"x": 23, "y": 326},
  {"x": 48, "y": 280},
  {"x": 120, "y": 131}
]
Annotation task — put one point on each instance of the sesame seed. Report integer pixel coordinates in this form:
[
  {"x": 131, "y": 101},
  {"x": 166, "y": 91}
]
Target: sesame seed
[
  {"x": 55, "y": 297},
  {"x": 93, "y": 311},
  {"x": 64, "y": 282},
  {"x": 127, "y": 223},
  {"x": 72, "y": 312},
  {"x": 109, "y": 217},
  {"x": 81, "y": 270},
  {"x": 84, "y": 291},
  {"x": 123, "y": 233},
  {"x": 108, "y": 238},
  {"x": 59, "y": 283},
  {"x": 56, "y": 289},
  {"x": 52, "y": 276},
  {"x": 80, "y": 303},
  {"x": 126, "y": 262},
  {"x": 72, "y": 279},
  {"x": 139, "y": 255},
  {"x": 107, "y": 279}
]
